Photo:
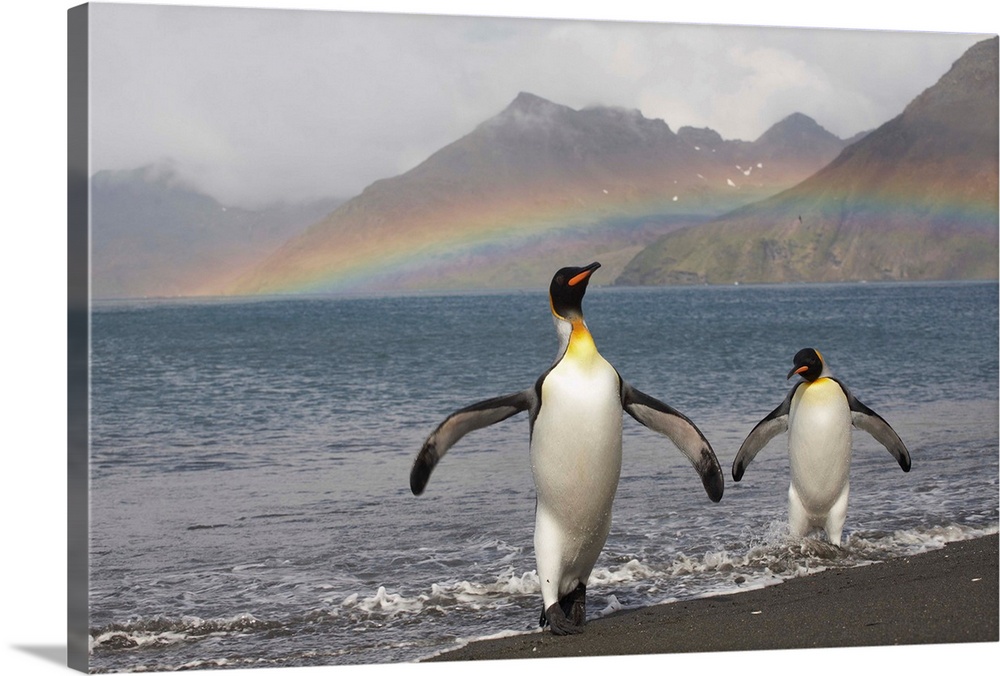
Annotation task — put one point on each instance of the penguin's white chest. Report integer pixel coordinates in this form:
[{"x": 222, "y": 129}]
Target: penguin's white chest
[
  {"x": 576, "y": 442},
  {"x": 819, "y": 443}
]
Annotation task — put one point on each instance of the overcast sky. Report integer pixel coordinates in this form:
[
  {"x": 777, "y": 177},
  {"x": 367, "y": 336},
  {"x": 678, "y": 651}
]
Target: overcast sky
[{"x": 256, "y": 105}]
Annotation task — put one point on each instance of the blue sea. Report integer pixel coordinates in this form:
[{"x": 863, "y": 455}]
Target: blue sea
[{"x": 249, "y": 470}]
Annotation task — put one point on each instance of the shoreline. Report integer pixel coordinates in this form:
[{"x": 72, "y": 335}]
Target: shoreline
[{"x": 949, "y": 595}]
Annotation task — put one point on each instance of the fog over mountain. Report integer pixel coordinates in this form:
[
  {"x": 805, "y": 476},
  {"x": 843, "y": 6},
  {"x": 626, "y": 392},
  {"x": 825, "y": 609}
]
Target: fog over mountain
[{"x": 155, "y": 235}]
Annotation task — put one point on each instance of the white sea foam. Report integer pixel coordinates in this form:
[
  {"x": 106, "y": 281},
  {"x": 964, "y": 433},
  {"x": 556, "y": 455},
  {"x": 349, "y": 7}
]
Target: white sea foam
[
  {"x": 383, "y": 603},
  {"x": 160, "y": 631},
  {"x": 613, "y": 606},
  {"x": 766, "y": 558}
]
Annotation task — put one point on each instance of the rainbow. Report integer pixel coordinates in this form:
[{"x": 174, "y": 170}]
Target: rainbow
[
  {"x": 361, "y": 248},
  {"x": 370, "y": 255}
]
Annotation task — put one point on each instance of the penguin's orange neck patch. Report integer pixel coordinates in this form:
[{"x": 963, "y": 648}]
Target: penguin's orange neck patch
[
  {"x": 821, "y": 384},
  {"x": 581, "y": 343}
]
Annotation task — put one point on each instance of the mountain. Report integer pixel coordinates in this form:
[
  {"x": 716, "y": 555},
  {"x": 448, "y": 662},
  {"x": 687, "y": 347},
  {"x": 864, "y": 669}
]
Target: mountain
[
  {"x": 915, "y": 199},
  {"x": 152, "y": 235},
  {"x": 791, "y": 149},
  {"x": 537, "y": 183}
]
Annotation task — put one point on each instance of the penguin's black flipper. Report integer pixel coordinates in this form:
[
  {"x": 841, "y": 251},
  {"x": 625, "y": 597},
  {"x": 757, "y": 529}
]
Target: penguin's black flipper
[
  {"x": 773, "y": 424},
  {"x": 458, "y": 424},
  {"x": 660, "y": 417},
  {"x": 868, "y": 420}
]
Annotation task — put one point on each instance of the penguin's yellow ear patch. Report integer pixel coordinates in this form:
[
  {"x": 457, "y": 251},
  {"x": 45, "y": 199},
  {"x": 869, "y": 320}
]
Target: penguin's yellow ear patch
[
  {"x": 552, "y": 306},
  {"x": 579, "y": 278}
]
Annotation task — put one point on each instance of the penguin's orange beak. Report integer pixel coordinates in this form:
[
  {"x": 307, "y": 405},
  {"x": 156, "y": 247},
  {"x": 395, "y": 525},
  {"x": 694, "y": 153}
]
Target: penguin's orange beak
[
  {"x": 580, "y": 276},
  {"x": 796, "y": 371}
]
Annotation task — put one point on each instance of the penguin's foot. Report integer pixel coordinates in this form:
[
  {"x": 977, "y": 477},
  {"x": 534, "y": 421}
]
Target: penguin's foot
[
  {"x": 559, "y": 624},
  {"x": 574, "y": 605}
]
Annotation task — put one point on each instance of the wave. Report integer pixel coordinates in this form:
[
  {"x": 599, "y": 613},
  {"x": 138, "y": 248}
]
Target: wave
[
  {"x": 768, "y": 558},
  {"x": 163, "y": 631}
]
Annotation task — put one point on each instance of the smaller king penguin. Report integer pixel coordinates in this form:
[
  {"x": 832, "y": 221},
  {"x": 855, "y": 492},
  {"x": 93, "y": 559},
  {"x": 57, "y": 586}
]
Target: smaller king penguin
[
  {"x": 818, "y": 414},
  {"x": 575, "y": 422}
]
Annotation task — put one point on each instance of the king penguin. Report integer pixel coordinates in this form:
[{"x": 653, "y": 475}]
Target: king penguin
[
  {"x": 575, "y": 423},
  {"x": 818, "y": 413}
]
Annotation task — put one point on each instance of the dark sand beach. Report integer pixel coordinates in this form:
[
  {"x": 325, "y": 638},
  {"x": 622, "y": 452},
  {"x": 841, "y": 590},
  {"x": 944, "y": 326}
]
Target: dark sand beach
[{"x": 944, "y": 596}]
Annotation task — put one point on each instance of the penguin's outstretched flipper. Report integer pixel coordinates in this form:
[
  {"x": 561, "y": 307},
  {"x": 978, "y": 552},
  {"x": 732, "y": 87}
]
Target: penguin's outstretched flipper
[
  {"x": 660, "y": 417},
  {"x": 773, "y": 424},
  {"x": 458, "y": 424},
  {"x": 868, "y": 420}
]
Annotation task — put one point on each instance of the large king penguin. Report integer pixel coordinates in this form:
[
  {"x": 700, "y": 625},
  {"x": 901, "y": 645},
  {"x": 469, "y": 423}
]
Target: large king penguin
[
  {"x": 575, "y": 421},
  {"x": 818, "y": 414}
]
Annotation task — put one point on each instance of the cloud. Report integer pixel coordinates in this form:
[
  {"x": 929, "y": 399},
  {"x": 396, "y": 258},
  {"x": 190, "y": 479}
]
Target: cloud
[{"x": 257, "y": 105}]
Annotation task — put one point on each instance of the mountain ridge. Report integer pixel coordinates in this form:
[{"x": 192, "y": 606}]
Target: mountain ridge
[
  {"x": 915, "y": 198},
  {"x": 487, "y": 208}
]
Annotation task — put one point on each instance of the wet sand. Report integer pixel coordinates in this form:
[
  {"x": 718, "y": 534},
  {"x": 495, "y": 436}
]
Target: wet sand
[{"x": 945, "y": 596}]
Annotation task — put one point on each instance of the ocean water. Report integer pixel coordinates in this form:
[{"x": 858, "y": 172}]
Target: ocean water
[{"x": 250, "y": 503}]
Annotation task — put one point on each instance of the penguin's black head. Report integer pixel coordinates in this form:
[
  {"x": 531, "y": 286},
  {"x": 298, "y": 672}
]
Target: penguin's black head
[
  {"x": 808, "y": 363},
  {"x": 567, "y": 289}
]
